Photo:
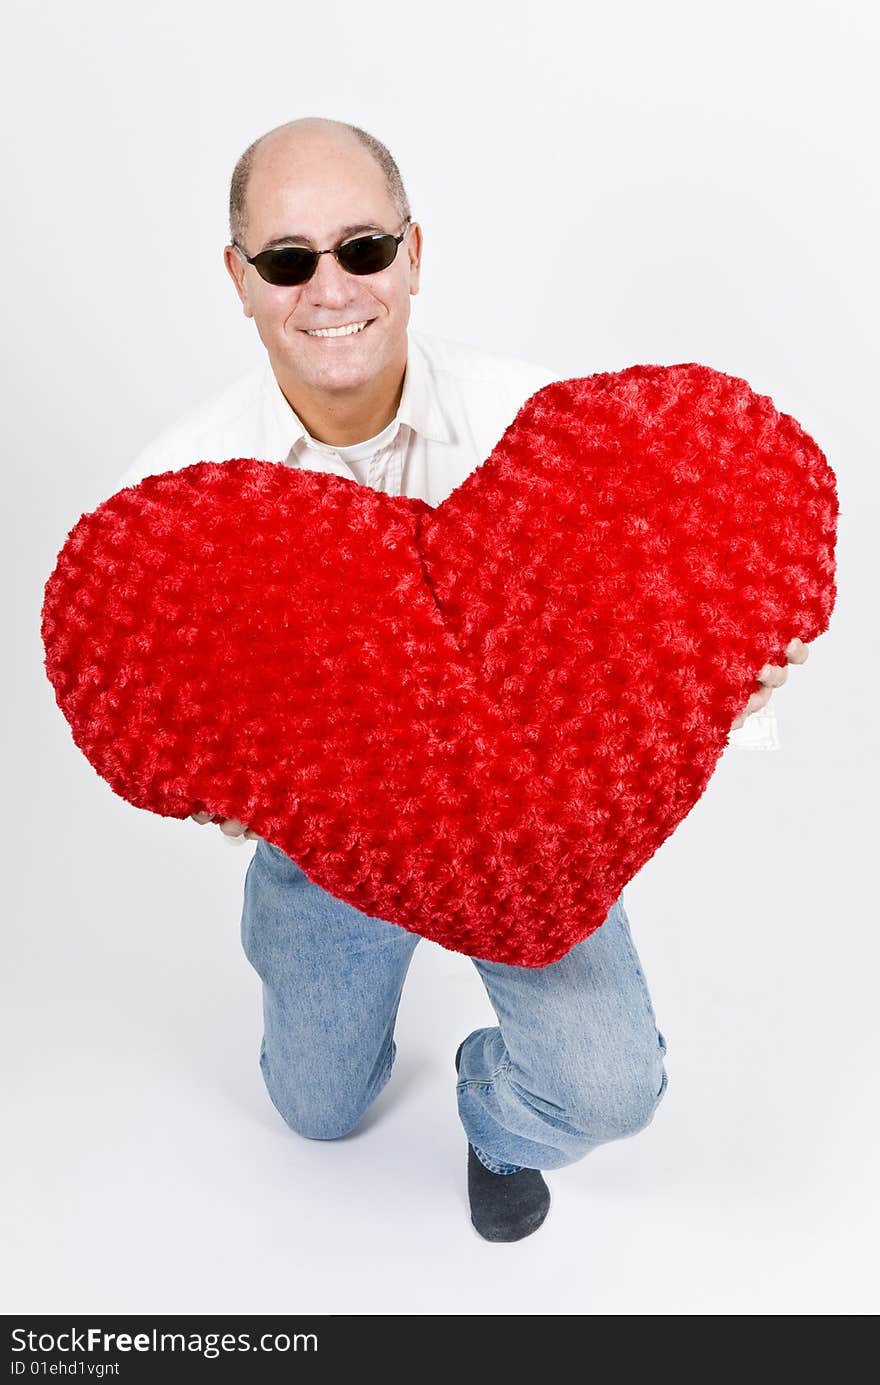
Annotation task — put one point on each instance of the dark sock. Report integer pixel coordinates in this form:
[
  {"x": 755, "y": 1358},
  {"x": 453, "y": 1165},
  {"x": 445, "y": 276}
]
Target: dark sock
[{"x": 504, "y": 1206}]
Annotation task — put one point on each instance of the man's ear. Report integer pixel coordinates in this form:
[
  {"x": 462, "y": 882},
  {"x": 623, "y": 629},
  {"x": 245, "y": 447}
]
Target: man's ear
[
  {"x": 235, "y": 265},
  {"x": 414, "y": 250}
]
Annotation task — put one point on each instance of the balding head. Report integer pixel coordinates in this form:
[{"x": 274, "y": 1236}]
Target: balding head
[{"x": 310, "y": 136}]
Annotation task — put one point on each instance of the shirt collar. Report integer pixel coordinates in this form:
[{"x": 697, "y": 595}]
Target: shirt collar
[{"x": 422, "y": 407}]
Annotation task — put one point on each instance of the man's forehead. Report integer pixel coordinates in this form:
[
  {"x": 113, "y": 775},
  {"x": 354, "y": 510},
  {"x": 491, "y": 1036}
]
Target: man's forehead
[{"x": 318, "y": 167}]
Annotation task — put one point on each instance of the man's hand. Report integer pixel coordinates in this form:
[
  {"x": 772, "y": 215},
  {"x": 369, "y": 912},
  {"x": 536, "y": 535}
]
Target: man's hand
[
  {"x": 772, "y": 676},
  {"x": 230, "y": 827}
]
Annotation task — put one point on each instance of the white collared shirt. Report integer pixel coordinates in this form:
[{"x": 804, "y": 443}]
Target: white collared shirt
[{"x": 455, "y": 405}]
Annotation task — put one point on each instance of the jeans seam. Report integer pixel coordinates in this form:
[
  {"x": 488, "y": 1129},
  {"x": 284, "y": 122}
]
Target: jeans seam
[
  {"x": 484, "y": 1082},
  {"x": 634, "y": 960},
  {"x": 506, "y": 1173},
  {"x": 486, "y": 1161}
]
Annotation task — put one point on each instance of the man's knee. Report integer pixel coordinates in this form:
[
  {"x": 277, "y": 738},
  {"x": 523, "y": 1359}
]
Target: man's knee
[
  {"x": 325, "y": 1112},
  {"x": 623, "y": 1104},
  {"x": 318, "y": 1119},
  {"x": 322, "y": 1125},
  {"x": 609, "y": 1104}
]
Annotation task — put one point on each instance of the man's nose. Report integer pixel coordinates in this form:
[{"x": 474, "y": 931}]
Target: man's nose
[{"x": 330, "y": 282}]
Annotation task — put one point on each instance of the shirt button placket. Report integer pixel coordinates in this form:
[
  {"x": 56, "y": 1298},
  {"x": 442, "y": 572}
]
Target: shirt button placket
[{"x": 386, "y": 469}]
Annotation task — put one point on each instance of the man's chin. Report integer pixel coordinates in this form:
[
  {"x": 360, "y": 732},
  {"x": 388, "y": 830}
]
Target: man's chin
[
  {"x": 336, "y": 377},
  {"x": 333, "y": 366},
  {"x": 322, "y": 369}
]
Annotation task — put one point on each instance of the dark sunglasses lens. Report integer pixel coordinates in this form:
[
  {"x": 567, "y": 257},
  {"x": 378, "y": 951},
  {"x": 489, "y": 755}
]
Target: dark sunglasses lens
[
  {"x": 292, "y": 264},
  {"x": 367, "y": 254}
]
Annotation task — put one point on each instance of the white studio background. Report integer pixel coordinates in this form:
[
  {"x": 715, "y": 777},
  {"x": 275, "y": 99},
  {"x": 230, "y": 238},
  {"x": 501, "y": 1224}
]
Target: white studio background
[{"x": 597, "y": 186}]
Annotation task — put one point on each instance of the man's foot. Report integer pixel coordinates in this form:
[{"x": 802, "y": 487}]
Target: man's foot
[{"x": 504, "y": 1206}]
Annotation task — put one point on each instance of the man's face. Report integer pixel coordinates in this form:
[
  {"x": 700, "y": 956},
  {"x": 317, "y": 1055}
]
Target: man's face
[{"x": 309, "y": 189}]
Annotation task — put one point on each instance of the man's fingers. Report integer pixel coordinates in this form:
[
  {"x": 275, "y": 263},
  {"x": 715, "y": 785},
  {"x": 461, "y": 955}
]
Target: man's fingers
[
  {"x": 754, "y": 704},
  {"x": 231, "y": 827},
  {"x": 758, "y": 700},
  {"x": 774, "y": 675},
  {"x": 796, "y": 652}
]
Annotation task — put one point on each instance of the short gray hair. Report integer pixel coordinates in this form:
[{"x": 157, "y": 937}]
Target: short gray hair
[{"x": 241, "y": 174}]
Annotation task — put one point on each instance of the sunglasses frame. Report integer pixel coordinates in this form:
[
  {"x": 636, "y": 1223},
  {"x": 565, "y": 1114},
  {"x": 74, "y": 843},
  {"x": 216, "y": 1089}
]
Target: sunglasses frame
[{"x": 263, "y": 259}]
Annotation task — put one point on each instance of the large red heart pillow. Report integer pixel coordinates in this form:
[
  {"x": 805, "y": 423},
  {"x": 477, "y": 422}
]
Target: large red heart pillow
[{"x": 477, "y": 721}]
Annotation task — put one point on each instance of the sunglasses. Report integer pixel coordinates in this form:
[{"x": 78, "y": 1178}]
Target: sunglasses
[{"x": 287, "y": 265}]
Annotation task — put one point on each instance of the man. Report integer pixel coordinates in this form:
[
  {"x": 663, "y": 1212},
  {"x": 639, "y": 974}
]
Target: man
[{"x": 577, "y": 1058}]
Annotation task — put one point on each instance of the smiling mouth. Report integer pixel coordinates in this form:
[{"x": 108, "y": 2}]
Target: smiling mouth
[{"x": 348, "y": 329}]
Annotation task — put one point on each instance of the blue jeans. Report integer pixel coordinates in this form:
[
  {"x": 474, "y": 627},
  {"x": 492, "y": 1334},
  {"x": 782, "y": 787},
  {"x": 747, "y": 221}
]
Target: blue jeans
[{"x": 575, "y": 1060}]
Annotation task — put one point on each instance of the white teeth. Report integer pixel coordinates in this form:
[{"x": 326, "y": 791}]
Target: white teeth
[{"x": 347, "y": 331}]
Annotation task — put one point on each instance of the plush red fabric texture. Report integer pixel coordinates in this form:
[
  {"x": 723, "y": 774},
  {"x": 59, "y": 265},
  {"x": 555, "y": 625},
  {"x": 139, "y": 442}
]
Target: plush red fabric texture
[{"x": 476, "y": 721}]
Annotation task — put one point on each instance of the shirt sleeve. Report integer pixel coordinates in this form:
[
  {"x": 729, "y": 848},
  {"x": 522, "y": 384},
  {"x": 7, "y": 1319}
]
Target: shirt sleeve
[
  {"x": 152, "y": 461},
  {"x": 759, "y": 731},
  {"x": 135, "y": 472},
  {"x": 158, "y": 456},
  {"x": 535, "y": 378}
]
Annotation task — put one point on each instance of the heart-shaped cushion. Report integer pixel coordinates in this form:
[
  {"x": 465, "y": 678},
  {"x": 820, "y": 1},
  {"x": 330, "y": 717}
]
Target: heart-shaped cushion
[{"x": 476, "y": 721}]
